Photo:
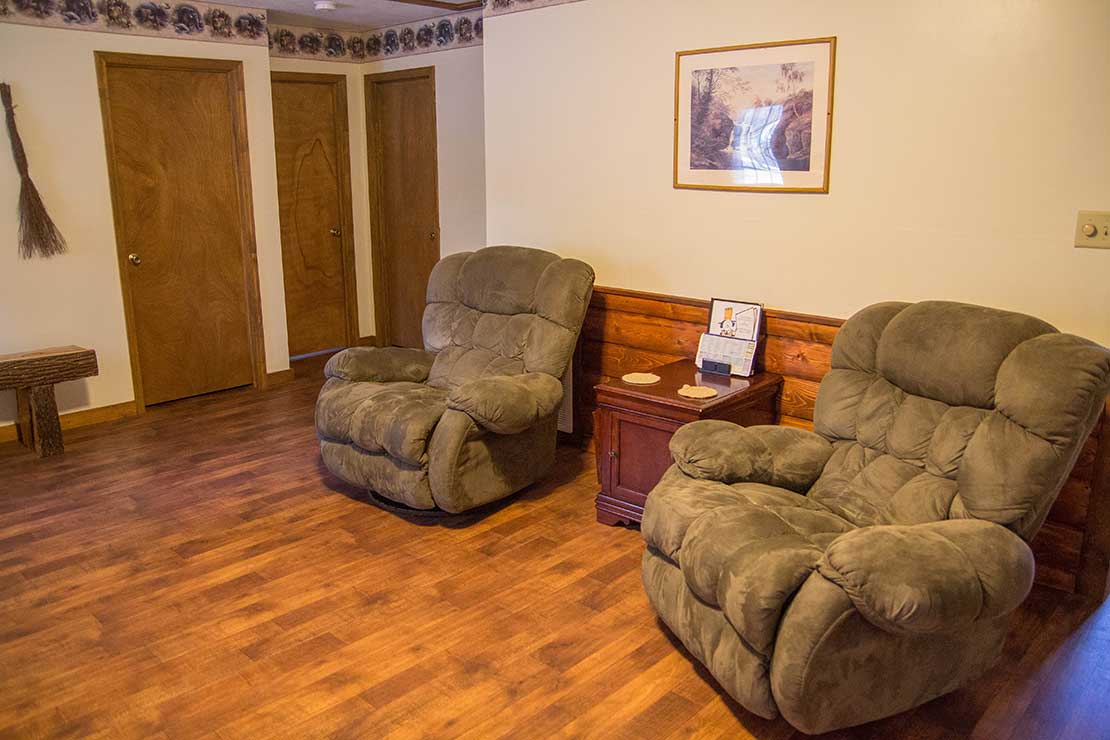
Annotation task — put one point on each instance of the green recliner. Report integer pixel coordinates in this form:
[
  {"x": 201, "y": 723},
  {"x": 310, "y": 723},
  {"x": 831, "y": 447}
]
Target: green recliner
[
  {"x": 849, "y": 574},
  {"x": 472, "y": 417}
]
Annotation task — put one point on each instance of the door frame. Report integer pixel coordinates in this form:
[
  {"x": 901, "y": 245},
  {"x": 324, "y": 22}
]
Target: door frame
[
  {"x": 375, "y": 181},
  {"x": 346, "y": 208},
  {"x": 233, "y": 70}
]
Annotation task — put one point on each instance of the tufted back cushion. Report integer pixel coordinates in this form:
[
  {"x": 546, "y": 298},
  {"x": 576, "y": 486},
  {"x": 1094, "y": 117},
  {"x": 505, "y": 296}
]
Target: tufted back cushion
[
  {"x": 504, "y": 311},
  {"x": 942, "y": 410}
]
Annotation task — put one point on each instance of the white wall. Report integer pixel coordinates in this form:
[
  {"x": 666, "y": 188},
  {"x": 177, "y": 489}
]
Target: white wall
[
  {"x": 75, "y": 298},
  {"x": 460, "y": 133},
  {"x": 966, "y": 135}
]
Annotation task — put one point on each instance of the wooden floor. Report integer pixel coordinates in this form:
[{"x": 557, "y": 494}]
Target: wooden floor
[{"x": 197, "y": 573}]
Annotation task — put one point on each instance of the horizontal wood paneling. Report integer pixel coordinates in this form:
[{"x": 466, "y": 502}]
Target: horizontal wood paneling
[
  {"x": 1056, "y": 549},
  {"x": 796, "y": 358},
  {"x": 629, "y": 331},
  {"x": 798, "y": 397}
]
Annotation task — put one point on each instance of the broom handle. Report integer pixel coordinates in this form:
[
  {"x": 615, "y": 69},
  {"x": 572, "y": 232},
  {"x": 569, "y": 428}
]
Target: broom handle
[{"x": 13, "y": 133}]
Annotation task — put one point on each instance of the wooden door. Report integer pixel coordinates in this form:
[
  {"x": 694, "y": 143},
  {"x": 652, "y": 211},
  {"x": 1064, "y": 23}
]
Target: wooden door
[
  {"x": 314, "y": 197},
  {"x": 180, "y": 180},
  {"x": 404, "y": 200}
]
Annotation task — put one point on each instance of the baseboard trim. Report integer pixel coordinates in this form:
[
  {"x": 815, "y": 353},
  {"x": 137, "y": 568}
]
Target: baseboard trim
[
  {"x": 82, "y": 418},
  {"x": 281, "y": 377},
  {"x": 370, "y": 341}
]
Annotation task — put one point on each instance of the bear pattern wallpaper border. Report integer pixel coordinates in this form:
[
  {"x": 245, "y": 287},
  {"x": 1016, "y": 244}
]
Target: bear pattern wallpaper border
[
  {"x": 454, "y": 31},
  {"x": 202, "y": 21},
  {"x": 191, "y": 20}
]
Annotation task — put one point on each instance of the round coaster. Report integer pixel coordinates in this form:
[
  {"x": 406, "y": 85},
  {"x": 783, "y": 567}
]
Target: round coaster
[
  {"x": 640, "y": 378},
  {"x": 696, "y": 391}
]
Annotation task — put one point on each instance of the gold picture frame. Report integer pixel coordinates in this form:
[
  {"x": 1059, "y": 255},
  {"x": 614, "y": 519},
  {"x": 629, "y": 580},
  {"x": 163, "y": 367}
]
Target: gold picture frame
[{"x": 772, "y": 144}]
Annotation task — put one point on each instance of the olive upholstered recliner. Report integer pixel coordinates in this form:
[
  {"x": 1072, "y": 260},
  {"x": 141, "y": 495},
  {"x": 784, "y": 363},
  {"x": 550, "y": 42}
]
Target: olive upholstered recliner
[
  {"x": 470, "y": 418},
  {"x": 849, "y": 574}
]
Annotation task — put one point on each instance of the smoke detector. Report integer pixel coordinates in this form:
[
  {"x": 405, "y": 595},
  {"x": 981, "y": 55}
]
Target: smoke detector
[{"x": 327, "y": 5}]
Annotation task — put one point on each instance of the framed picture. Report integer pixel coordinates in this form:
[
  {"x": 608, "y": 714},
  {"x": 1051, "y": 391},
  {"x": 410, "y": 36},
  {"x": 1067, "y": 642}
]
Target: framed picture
[
  {"x": 756, "y": 117},
  {"x": 734, "y": 319}
]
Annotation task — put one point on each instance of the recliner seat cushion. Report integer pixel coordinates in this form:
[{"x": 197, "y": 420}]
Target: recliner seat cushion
[
  {"x": 678, "y": 501},
  {"x": 396, "y": 418}
]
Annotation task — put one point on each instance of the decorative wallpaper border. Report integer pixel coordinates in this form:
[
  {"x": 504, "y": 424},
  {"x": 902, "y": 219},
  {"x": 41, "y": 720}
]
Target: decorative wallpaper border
[
  {"x": 503, "y": 7},
  {"x": 454, "y": 31},
  {"x": 204, "y": 21},
  {"x": 195, "y": 20}
]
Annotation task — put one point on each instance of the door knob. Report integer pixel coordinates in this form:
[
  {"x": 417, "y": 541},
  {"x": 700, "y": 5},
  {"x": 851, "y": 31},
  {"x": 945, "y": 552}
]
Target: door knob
[
  {"x": 335, "y": 231},
  {"x": 134, "y": 259},
  {"x": 432, "y": 236}
]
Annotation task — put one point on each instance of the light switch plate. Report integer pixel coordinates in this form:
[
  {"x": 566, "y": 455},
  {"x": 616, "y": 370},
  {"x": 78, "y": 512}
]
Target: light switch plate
[{"x": 1100, "y": 220}]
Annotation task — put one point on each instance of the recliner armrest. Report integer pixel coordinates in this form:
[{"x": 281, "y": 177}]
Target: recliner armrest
[
  {"x": 508, "y": 404},
  {"x": 381, "y": 364},
  {"x": 726, "y": 452},
  {"x": 933, "y": 577}
]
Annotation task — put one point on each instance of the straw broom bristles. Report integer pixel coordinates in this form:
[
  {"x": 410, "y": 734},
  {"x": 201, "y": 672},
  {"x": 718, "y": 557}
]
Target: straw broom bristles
[{"x": 37, "y": 232}]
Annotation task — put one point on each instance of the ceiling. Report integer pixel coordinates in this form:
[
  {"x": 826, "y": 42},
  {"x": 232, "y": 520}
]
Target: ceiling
[{"x": 355, "y": 14}]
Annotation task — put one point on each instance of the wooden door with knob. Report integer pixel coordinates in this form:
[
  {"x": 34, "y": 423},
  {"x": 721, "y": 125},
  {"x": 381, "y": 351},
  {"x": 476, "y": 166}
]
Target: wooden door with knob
[
  {"x": 404, "y": 198},
  {"x": 314, "y": 202},
  {"x": 179, "y": 170}
]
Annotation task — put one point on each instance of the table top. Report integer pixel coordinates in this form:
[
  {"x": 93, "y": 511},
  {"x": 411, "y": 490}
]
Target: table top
[
  {"x": 46, "y": 366},
  {"x": 38, "y": 354},
  {"x": 685, "y": 372}
]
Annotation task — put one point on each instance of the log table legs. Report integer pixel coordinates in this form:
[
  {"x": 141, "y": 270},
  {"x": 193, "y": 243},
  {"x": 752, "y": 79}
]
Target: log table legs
[
  {"x": 32, "y": 375},
  {"x": 39, "y": 426}
]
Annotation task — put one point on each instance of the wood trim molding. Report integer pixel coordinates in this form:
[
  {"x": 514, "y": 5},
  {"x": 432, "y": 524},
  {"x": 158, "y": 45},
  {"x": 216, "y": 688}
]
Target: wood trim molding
[
  {"x": 376, "y": 184},
  {"x": 237, "y": 91},
  {"x": 346, "y": 205},
  {"x": 82, "y": 418},
  {"x": 473, "y": 4},
  {"x": 279, "y": 377},
  {"x": 516, "y": 6}
]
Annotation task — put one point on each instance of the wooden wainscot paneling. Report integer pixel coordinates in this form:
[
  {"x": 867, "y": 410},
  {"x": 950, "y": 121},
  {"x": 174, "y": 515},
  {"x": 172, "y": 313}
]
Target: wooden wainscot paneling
[{"x": 631, "y": 331}]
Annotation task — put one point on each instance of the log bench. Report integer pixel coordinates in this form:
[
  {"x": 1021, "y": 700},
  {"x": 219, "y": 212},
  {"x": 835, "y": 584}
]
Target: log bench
[{"x": 32, "y": 375}]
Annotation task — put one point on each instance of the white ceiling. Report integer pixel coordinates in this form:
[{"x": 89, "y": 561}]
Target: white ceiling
[{"x": 351, "y": 14}]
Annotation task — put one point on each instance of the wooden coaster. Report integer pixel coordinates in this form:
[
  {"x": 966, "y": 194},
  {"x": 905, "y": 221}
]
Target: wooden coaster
[
  {"x": 696, "y": 391},
  {"x": 640, "y": 378}
]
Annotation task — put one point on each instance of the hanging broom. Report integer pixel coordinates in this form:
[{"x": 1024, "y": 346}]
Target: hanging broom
[{"x": 37, "y": 232}]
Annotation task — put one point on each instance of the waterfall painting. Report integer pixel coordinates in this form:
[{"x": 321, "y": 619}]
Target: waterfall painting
[{"x": 755, "y": 117}]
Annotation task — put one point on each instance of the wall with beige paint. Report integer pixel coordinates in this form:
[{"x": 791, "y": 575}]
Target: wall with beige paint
[
  {"x": 965, "y": 138},
  {"x": 75, "y": 298}
]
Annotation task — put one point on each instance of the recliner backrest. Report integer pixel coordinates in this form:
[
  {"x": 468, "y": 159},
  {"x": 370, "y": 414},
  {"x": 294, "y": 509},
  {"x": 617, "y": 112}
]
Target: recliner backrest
[
  {"x": 504, "y": 311},
  {"x": 944, "y": 410}
]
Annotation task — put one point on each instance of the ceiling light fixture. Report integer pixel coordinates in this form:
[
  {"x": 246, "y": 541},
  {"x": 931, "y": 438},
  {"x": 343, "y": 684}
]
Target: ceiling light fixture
[{"x": 328, "y": 5}]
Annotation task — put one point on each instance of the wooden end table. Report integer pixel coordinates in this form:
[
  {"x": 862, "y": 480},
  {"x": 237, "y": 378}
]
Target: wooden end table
[
  {"x": 33, "y": 375},
  {"x": 634, "y": 424}
]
